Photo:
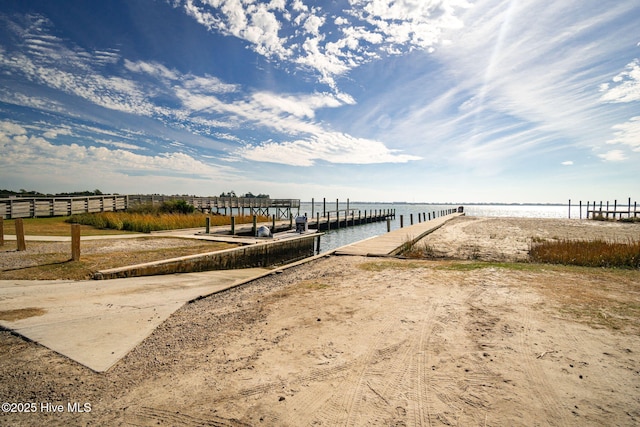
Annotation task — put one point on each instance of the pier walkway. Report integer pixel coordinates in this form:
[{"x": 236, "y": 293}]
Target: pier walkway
[
  {"x": 96, "y": 323},
  {"x": 392, "y": 243}
]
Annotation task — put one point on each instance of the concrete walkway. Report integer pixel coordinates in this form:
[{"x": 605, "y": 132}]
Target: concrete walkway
[
  {"x": 391, "y": 243},
  {"x": 96, "y": 323}
]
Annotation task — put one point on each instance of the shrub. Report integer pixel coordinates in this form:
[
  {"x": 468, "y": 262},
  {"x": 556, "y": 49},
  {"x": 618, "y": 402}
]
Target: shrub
[{"x": 177, "y": 206}]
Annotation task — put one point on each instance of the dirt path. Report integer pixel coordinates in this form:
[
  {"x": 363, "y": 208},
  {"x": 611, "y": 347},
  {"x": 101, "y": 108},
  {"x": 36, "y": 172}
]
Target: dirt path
[{"x": 357, "y": 341}]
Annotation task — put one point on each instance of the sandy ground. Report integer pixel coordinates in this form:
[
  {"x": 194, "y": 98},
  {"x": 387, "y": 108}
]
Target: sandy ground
[{"x": 382, "y": 342}]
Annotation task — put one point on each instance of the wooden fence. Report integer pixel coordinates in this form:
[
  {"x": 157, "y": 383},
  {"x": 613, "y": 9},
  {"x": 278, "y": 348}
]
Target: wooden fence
[{"x": 32, "y": 207}]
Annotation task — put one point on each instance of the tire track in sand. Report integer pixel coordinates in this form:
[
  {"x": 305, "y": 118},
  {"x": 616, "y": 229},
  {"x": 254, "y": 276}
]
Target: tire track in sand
[{"x": 542, "y": 390}]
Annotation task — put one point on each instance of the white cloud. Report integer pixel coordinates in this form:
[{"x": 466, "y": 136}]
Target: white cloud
[
  {"x": 627, "y": 133},
  {"x": 19, "y": 149},
  {"x": 11, "y": 129},
  {"x": 330, "y": 147},
  {"x": 567, "y": 163},
  {"x": 364, "y": 30},
  {"x": 625, "y": 86},
  {"x": 613, "y": 156},
  {"x": 300, "y": 106},
  {"x": 151, "y": 68},
  {"x": 53, "y": 133}
]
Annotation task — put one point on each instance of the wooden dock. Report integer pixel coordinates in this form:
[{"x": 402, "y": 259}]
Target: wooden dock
[
  {"x": 392, "y": 243},
  {"x": 37, "y": 207},
  {"x": 606, "y": 211}
]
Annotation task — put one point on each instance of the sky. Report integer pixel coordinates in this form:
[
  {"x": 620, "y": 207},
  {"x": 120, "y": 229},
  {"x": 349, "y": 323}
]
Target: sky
[{"x": 373, "y": 100}]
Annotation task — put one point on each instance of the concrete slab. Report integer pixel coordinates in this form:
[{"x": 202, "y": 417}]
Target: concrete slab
[
  {"x": 392, "y": 242},
  {"x": 96, "y": 323}
]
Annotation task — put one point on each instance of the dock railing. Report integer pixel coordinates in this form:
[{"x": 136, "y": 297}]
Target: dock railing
[{"x": 32, "y": 207}]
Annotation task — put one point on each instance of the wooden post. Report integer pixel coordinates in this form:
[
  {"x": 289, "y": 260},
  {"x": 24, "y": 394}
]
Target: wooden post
[
  {"x": 411, "y": 217},
  {"x": 580, "y": 209},
  {"x": 318, "y": 222},
  {"x": 401, "y": 221},
  {"x": 22, "y": 246},
  {"x": 233, "y": 225},
  {"x": 388, "y": 225},
  {"x": 75, "y": 242},
  {"x": 1, "y": 231},
  {"x": 208, "y": 225},
  {"x": 337, "y": 219},
  {"x": 587, "y": 209},
  {"x": 313, "y": 207},
  {"x": 254, "y": 229},
  {"x": 324, "y": 205},
  {"x": 273, "y": 223}
]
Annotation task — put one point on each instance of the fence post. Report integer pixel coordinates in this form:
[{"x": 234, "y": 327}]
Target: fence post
[
  {"x": 254, "y": 229},
  {"x": 273, "y": 223},
  {"x": 233, "y": 225},
  {"x": 208, "y": 225},
  {"x": 75, "y": 242},
  {"x": 1, "y": 231},
  {"x": 22, "y": 246}
]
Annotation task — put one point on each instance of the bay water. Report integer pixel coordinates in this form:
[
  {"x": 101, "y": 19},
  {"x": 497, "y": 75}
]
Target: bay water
[{"x": 336, "y": 238}]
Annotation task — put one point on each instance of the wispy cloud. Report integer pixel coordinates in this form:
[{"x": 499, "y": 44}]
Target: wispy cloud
[{"x": 519, "y": 89}]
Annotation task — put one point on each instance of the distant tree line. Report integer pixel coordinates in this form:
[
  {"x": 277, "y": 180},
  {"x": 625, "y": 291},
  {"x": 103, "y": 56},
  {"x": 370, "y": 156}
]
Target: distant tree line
[
  {"x": 24, "y": 193},
  {"x": 248, "y": 195}
]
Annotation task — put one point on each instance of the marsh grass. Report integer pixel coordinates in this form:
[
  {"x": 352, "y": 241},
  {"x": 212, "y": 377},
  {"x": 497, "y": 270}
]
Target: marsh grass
[
  {"x": 416, "y": 249},
  {"x": 147, "y": 222},
  {"x": 597, "y": 253}
]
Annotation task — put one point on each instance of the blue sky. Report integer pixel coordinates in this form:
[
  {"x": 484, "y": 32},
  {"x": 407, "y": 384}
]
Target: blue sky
[{"x": 372, "y": 100}]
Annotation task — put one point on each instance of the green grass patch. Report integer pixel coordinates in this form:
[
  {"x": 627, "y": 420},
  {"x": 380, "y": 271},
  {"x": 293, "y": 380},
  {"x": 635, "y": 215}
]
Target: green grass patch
[
  {"x": 597, "y": 253},
  {"x": 391, "y": 264},
  {"x": 477, "y": 265}
]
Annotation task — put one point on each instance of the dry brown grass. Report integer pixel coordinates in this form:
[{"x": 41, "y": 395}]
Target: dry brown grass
[
  {"x": 596, "y": 253},
  {"x": 51, "y": 261}
]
